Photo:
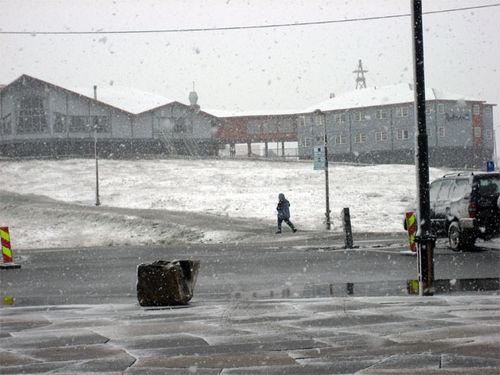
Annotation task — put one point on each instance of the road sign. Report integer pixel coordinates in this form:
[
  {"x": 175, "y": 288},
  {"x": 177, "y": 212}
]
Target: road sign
[
  {"x": 490, "y": 166},
  {"x": 319, "y": 158}
]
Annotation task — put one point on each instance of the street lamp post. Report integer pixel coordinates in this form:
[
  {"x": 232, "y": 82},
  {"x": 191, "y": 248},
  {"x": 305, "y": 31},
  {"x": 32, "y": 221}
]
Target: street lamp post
[
  {"x": 320, "y": 119},
  {"x": 425, "y": 238},
  {"x": 97, "y": 201}
]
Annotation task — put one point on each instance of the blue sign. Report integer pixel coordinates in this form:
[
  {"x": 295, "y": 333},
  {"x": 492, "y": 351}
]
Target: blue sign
[
  {"x": 319, "y": 158},
  {"x": 490, "y": 166}
]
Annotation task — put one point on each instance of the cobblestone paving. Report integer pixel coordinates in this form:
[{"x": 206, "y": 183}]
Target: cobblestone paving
[{"x": 362, "y": 335}]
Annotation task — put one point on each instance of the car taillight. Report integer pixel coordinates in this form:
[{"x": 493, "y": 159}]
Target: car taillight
[{"x": 472, "y": 209}]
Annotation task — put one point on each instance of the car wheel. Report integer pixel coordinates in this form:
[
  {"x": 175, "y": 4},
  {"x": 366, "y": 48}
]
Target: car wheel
[{"x": 460, "y": 240}]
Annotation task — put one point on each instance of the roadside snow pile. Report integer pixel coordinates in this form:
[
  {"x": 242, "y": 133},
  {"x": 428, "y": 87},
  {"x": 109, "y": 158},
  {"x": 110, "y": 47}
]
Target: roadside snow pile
[{"x": 376, "y": 195}]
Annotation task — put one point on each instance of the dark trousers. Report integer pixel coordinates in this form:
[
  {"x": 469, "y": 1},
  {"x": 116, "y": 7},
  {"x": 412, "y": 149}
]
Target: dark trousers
[{"x": 280, "y": 220}]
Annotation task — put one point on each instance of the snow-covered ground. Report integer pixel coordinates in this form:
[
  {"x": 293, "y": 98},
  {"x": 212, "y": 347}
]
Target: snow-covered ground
[{"x": 377, "y": 197}]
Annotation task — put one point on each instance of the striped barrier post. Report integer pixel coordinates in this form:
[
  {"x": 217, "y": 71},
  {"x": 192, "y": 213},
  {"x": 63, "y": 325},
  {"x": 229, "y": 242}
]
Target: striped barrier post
[
  {"x": 411, "y": 225},
  {"x": 6, "y": 249}
]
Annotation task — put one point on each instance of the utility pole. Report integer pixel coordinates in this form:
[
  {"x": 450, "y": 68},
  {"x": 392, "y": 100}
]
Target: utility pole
[
  {"x": 424, "y": 238},
  {"x": 96, "y": 124},
  {"x": 320, "y": 119}
]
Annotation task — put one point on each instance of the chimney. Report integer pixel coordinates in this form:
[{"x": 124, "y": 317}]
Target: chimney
[{"x": 193, "y": 99}]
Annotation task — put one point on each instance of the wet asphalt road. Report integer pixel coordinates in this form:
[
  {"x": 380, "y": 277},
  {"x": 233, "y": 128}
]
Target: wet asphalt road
[{"x": 303, "y": 267}]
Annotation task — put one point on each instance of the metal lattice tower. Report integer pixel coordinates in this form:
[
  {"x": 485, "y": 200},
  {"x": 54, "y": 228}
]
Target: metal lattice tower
[{"x": 360, "y": 79}]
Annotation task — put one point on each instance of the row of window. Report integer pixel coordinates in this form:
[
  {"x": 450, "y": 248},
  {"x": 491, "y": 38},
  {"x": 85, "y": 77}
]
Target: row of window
[
  {"x": 81, "y": 124},
  {"x": 383, "y": 136},
  {"x": 285, "y": 125},
  {"x": 33, "y": 123},
  {"x": 382, "y": 114}
]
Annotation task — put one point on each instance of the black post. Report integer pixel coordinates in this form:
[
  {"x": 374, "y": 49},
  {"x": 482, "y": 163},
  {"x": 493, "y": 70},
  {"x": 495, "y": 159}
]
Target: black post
[
  {"x": 346, "y": 223},
  {"x": 425, "y": 240}
]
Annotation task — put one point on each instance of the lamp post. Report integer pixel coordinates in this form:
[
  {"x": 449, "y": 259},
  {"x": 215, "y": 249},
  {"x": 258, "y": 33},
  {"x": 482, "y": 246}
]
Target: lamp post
[
  {"x": 97, "y": 201},
  {"x": 425, "y": 238},
  {"x": 320, "y": 119}
]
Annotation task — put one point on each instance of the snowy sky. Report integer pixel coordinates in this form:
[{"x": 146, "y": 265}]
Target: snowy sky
[{"x": 258, "y": 69}]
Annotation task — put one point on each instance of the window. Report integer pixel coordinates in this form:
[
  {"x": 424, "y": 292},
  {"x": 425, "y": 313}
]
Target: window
[
  {"x": 402, "y": 134},
  {"x": 269, "y": 126},
  {"x": 460, "y": 190},
  {"x": 6, "y": 124},
  {"x": 488, "y": 134},
  {"x": 180, "y": 125},
  {"x": 78, "y": 124},
  {"x": 340, "y": 118},
  {"x": 441, "y": 132},
  {"x": 477, "y": 132},
  {"x": 253, "y": 127},
  {"x": 381, "y": 136},
  {"x": 164, "y": 125},
  {"x": 445, "y": 190},
  {"x": 402, "y": 111},
  {"x": 339, "y": 139},
  {"x": 434, "y": 189},
  {"x": 360, "y": 138},
  {"x": 59, "y": 123},
  {"x": 307, "y": 142},
  {"x": 31, "y": 117},
  {"x": 358, "y": 116},
  {"x": 101, "y": 123},
  {"x": 286, "y": 125},
  {"x": 302, "y": 121},
  {"x": 476, "y": 109},
  {"x": 428, "y": 109},
  {"x": 381, "y": 114},
  {"x": 441, "y": 108}
]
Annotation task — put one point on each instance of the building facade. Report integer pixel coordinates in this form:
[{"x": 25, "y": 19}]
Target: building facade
[
  {"x": 378, "y": 126},
  {"x": 372, "y": 125},
  {"x": 38, "y": 118}
]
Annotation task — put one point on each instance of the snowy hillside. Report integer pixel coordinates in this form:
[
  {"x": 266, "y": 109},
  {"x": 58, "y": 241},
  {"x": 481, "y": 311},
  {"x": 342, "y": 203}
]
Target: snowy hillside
[{"x": 376, "y": 195}]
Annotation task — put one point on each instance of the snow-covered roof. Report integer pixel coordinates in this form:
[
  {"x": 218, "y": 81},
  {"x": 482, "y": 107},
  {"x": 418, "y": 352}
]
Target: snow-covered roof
[
  {"x": 385, "y": 95},
  {"x": 126, "y": 98},
  {"x": 253, "y": 113}
]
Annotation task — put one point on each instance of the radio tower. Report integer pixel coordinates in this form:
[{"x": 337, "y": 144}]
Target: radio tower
[{"x": 360, "y": 79}]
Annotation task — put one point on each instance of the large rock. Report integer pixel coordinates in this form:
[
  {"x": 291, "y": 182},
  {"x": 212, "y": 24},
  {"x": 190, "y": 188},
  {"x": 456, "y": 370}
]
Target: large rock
[{"x": 164, "y": 283}]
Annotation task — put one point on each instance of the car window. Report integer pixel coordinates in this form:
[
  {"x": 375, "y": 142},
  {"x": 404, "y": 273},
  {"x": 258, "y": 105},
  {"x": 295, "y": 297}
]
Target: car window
[
  {"x": 460, "y": 189},
  {"x": 445, "y": 189},
  {"x": 489, "y": 185},
  {"x": 434, "y": 189}
]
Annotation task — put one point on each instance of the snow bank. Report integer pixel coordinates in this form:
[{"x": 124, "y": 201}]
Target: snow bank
[{"x": 376, "y": 195}]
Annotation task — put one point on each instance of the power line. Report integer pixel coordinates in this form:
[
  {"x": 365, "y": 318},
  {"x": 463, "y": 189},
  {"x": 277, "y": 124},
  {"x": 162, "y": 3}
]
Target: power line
[{"x": 248, "y": 27}]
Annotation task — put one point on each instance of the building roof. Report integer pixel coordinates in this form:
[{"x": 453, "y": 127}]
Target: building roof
[
  {"x": 125, "y": 98},
  {"x": 254, "y": 113},
  {"x": 130, "y": 100},
  {"x": 385, "y": 95}
]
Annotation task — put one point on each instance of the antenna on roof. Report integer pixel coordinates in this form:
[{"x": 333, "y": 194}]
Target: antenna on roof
[{"x": 360, "y": 79}]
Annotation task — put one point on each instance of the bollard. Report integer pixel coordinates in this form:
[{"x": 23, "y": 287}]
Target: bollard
[
  {"x": 7, "y": 257},
  {"x": 8, "y": 300},
  {"x": 350, "y": 289},
  {"x": 411, "y": 225},
  {"x": 346, "y": 223},
  {"x": 164, "y": 283}
]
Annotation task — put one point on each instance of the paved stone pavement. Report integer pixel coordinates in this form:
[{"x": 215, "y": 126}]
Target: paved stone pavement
[{"x": 352, "y": 335}]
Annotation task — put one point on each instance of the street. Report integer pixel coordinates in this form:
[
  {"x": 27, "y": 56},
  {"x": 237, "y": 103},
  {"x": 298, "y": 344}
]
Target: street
[{"x": 301, "y": 266}]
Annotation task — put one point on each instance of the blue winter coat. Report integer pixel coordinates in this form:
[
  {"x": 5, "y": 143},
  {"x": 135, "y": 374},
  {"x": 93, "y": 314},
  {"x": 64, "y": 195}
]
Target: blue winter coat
[{"x": 283, "y": 207}]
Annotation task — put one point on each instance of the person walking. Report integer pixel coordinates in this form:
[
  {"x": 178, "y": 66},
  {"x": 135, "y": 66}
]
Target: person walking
[{"x": 283, "y": 209}]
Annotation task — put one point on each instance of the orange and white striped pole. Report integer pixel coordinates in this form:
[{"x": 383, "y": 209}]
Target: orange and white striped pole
[
  {"x": 6, "y": 249},
  {"x": 411, "y": 225}
]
